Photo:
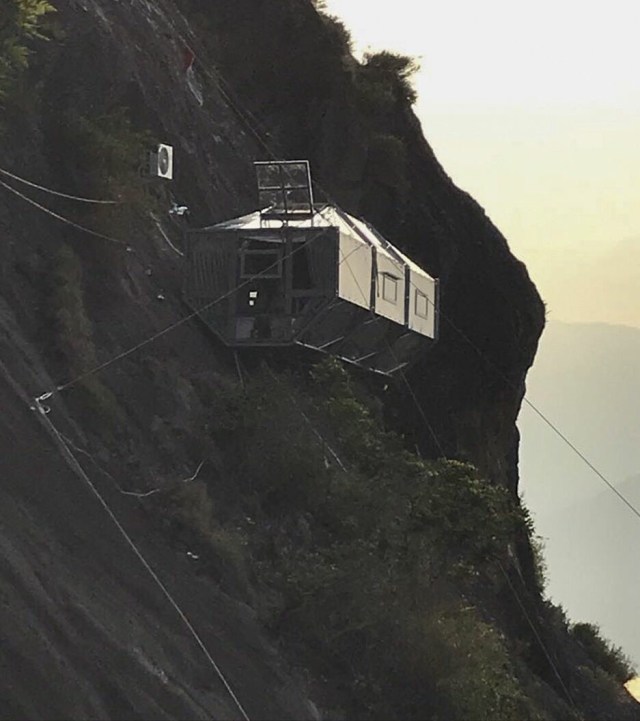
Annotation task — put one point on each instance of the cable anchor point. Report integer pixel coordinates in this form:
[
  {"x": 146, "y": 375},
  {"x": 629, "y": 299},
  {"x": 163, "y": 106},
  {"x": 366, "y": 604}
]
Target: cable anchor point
[{"x": 39, "y": 403}]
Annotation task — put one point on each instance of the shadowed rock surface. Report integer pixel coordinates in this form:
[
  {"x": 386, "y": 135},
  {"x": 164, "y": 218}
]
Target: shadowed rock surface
[{"x": 84, "y": 630}]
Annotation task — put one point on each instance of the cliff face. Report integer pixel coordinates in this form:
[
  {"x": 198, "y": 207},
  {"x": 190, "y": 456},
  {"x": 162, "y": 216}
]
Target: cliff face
[
  {"x": 95, "y": 635},
  {"x": 371, "y": 154},
  {"x": 272, "y": 80}
]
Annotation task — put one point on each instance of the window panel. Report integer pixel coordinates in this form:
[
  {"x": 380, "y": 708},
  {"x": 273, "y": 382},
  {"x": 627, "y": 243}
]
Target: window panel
[
  {"x": 265, "y": 263},
  {"x": 389, "y": 288},
  {"x": 421, "y": 305}
]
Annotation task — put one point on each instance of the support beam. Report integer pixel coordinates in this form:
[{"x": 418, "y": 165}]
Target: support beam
[
  {"x": 397, "y": 368},
  {"x": 331, "y": 342},
  {"x": 366, "y": 357}
]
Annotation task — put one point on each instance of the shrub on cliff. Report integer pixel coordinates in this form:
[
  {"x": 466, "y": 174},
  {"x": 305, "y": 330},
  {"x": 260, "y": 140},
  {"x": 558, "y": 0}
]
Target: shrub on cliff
[
  {"x": 336, "y": 29},
  {"x": 394, "y": 71},
  {"x": 20, "y": 23},
  {"x": 368, "y": 555},
  {"x": 73, "y": 339},
  {"x": 110, "y": 148},
  {"x": 105, "y": 152},
  {"x": 73, "y": 329},
  {"x": 609, "y": 658},
  {"x": 364, "y": 554}
]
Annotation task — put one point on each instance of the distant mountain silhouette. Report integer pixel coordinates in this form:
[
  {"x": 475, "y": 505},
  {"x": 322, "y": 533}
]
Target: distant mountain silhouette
[{"x": 586, "y": 379}]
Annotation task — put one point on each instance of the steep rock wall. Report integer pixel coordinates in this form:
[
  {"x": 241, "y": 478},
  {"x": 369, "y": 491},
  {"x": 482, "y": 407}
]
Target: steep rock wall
[
  {"x": 303, "y": 88},
  {"x": 274, "y": 82},
  {"x": 265, "y": 72}
]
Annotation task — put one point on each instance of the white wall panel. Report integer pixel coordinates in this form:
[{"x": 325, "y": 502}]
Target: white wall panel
[
  {"x": 390, "y": 276},
  {"x": 354, "y": 270},
  {"x": 422, "y": 303}
]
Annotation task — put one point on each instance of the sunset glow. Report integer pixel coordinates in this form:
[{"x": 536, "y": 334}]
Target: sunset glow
[{"x": 633, "y": 687}]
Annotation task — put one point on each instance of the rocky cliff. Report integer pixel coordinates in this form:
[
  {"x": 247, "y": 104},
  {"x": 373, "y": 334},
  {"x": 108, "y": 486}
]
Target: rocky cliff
[{"x": 144, "y": 399}]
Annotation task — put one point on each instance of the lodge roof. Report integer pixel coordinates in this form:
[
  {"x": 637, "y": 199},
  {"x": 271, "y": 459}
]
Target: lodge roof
[{"x": 324, "y": 216}]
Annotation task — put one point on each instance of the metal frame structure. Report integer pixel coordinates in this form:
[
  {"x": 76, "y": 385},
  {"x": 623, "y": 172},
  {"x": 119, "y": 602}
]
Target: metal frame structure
[
  {"x": 298, "y": 274},
  {"x": 284, "y": 189}
]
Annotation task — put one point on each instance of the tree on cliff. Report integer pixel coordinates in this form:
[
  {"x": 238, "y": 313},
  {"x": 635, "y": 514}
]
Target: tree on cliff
[
  {"x": 394, "y": 68},
  {"x": 20, "y": 22}
]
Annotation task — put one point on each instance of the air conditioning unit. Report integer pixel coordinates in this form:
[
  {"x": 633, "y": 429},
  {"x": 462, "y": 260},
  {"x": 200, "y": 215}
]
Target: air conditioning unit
[{"x": 161, "y": 162}]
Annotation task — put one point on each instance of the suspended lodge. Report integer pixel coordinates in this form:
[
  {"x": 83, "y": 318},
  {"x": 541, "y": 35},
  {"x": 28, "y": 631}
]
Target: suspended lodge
[{"x": 299, "y": 273}]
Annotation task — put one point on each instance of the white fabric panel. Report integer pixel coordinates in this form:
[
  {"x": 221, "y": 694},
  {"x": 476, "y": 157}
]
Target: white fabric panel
[
  {"x": 354, "y": 270},
  {"x": 386, "y": 306},
  {"x": 422, "y": 302}
]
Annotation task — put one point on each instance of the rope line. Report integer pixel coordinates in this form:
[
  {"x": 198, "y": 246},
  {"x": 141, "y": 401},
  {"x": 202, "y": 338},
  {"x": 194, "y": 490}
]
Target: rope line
[
  {"x": 156, "y": 220},
  {"x": 323, "y": 442},
  {"x": 58, "y": 193},
  {"x": 225, "y": 91},
  {"x": 65, "y": 220},
  {"x": 73, "y": 461},
  {"x": 436, "y": 439},
  {"x": 221, "y": 82},
  {"x": 550, "y": 423},
  {"x": 537, "y": 635},
  {"x": 560, "y": 434},
  {"x": 533, "y": 407},
  {"x": 581, "y": 455},
  {"x": 77, "y": 449},
  {"x": 181, "y": 321}
]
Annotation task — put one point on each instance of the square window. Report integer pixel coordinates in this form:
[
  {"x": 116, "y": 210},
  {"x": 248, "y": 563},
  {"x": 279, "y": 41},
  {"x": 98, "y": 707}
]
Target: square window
[
  {"x": 421, "y": 305},
  {"x": 389, "y": 288},
  {"x": 263, "y": 263}
]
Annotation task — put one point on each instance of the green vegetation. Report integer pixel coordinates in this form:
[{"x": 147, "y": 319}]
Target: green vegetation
[
  {"x": 382, "y": 84},
  {"x": 377, "y": 563},
  {"x": 473, "y": 667},
  {"x": 109, "y": 152},
  {"x": 20, "y": 24},
  {"x": 365, "y": 561},
  {"x": 191, "y": 515},
  {"x": 611, "y": 659},
  {"x": 109, "y": 148},
  {"x": 390, "y": 75},
  {"x": 74, "y": 342},
  {"x": 336, "y": 29},
  {"x": 72, "y": 326},
  {"x": 539, "y": 561},
  {"x": 339, "y": 33}
]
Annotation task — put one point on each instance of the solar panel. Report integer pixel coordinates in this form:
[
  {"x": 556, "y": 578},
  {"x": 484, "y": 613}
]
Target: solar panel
[{"x": 284, "y": 188}]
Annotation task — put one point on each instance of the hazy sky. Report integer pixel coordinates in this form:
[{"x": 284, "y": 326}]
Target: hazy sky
[{"x": 534, "y": 108}]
